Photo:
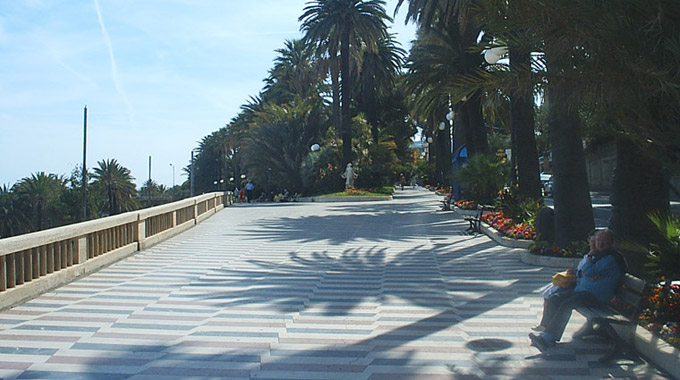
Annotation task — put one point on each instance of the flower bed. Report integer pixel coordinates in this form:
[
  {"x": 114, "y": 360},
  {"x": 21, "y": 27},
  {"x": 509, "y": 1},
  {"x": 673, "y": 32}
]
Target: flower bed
[
  {"x": 505, "y": 226},
  {"x": 661, "y": 314},
  {"x": 544, "y": 249},
  {"x": 466, "y": 205}
]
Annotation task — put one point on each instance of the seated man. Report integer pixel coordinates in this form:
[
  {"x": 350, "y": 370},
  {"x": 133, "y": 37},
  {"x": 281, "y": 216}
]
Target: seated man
[{"x": 598, "y": 276}]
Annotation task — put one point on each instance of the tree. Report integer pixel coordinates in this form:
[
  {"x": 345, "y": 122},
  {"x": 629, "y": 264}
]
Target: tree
[
  {"x": 356, "y": 23},
  {"x": 12, "y": 219},
  {"x": 451, "y": 24},
  {"x": 40, "y": 193},
  {"x": 114, "y": 182},
  {"x": 295, "y": 73},
  {"x": 279, "y": 142},
  {"x": 379, "y": 70}
]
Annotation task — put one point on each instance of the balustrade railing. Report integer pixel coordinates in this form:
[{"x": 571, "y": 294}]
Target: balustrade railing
[{"x": 31, "y": 257}]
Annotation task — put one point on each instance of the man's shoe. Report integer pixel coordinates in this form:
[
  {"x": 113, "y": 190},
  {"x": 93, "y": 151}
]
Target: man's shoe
[
  {"x": 538, "y": 328},
  {"x": 539, "y": 342}
]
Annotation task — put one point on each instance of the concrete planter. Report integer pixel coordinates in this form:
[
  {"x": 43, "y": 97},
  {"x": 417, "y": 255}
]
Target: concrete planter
[
  {"x": 502, "y": 240},
  {"x": 549, "y": 261},
  {"x": 658, "y": 351}
]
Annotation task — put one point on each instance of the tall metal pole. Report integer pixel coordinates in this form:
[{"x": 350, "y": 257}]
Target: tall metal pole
[
  {"x": 192, "y": 173},
  {"x": 84, "y": 217}
]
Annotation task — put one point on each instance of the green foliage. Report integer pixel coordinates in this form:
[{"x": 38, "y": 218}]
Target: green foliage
[
  {"x": 12, "y": 220},
  {"x": 519, "y": 209},
  {"x": 321, "y": 171},
  {"x": 482, "y": 176},
  {"x": 279, "y": 140},
  {"x": 664, "y": 251},
  {"x": 40, "y": 197},
  {"x": 114, "y": 184}
]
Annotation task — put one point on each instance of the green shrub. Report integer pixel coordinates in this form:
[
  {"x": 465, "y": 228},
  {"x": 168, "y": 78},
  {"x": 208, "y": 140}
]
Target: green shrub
[{"x": 482, "y": 176}]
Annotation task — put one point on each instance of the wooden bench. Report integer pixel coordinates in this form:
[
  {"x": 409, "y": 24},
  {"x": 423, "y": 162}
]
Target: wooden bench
[
  {"x": 476, "y": 219},
  {"x": 446, "y": 203},
  {"x": 628, "y": 298}
]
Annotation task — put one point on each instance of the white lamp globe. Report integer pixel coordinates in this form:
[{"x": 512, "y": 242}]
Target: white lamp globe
[
  {"x": 442, "y": 126},
  {"x": 315, "y": 147},
  {"x": 493, "y": 55}
]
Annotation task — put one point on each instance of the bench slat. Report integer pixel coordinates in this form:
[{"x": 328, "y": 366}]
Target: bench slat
[{"x": 634, "y": 284}]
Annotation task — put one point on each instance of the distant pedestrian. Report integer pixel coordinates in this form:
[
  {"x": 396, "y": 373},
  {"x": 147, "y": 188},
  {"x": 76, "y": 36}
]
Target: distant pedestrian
[
  {"x": 402, "y": 180},
  {"x": 249, "y": 190}
]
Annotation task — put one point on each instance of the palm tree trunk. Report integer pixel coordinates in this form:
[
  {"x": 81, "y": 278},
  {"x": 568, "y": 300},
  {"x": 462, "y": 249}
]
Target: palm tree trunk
[
  {"x": 573, "y": 210},
  {"x": 476, "y": 138},
  {"x": 335, "y": 89},
  {"x": 640, "y": 187},
  {"x": 346, "y": 118},
  {"x": 524, "y": 152}
]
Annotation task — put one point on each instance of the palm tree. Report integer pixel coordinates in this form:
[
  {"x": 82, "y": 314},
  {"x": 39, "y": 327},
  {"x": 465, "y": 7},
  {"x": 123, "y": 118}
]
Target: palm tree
[
  {"x": 115, "y": 184},
  {"x": 40, "y": 193},
  {"x": 295, "y": 73},
  {"x": 439, "y": 59},
  {"x": 357, "y": 23},
  {"x": 12, "y": 220},
  {"x": 379, "y": 70},
  {"x": 279, "y": 142}
]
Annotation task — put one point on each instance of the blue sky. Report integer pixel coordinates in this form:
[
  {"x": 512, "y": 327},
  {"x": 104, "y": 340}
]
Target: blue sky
[{"x": 156, "y": 76}]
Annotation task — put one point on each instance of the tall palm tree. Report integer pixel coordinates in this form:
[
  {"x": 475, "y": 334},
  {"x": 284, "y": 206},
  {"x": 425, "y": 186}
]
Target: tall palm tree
[
  {"x": 295, "y": 73},
  {"x": 379, "y": 70},
  {"x": 116, "y": 187},
  {"x": 356, "y": 22},
  {"x": 40, "y": 192},
  {"x": 442, "y": 55}
]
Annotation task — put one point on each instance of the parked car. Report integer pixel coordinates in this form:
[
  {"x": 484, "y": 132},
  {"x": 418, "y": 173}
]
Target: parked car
[
  {"x": 548, "y": 188},
  {"x": 547, "y": 182}
]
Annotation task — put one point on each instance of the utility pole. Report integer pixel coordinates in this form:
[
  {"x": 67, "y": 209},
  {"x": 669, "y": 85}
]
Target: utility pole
[
  {"x": 191, "y": 180},
  {"x": 84, "y": 217}
]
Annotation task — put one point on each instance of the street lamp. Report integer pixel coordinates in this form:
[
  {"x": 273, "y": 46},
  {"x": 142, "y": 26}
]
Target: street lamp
[
  {"x": 173, "y": 175},
  {"x": 315, "y": 147},
  {"x": 493, "y": 55}
]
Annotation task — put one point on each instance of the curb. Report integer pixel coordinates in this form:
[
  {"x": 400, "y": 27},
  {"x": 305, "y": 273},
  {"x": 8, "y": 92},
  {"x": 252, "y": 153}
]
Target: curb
[
  {"x": 502, "y": 240},
  {"x": 658, "y": 351}
]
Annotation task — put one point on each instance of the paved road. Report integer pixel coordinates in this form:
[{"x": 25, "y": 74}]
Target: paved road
[
  {"x": 602, "y": 208},
  {"x": 379, "y": 290}
]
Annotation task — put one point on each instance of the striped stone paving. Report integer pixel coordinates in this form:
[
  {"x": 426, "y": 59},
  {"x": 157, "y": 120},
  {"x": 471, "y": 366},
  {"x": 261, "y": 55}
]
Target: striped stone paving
[{"x": 376, "y": 290}]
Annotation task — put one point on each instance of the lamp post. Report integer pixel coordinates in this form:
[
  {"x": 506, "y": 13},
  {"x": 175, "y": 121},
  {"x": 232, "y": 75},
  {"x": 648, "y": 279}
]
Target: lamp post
[
  {"x": 191, "y": 180},
  {"x": 493, "y": 55},
  {"x": 173, "y": 175}
]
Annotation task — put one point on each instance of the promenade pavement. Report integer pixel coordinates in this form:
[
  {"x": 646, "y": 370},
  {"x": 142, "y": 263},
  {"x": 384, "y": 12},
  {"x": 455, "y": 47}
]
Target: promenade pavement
[{"x": 366, "y": 290}]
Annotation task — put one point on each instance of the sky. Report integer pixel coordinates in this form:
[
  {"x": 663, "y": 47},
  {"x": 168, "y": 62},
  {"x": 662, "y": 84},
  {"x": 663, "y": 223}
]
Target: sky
[{"x": 156, "y": 76}]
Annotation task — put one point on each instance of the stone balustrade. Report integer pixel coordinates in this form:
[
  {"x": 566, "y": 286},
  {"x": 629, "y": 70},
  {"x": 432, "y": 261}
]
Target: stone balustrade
[{"x": 33, "y": 263}]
